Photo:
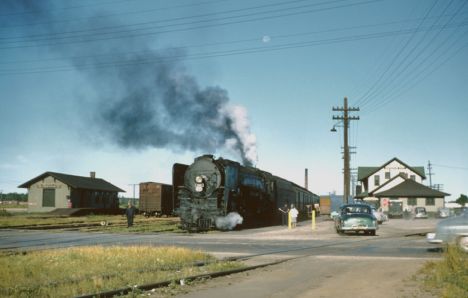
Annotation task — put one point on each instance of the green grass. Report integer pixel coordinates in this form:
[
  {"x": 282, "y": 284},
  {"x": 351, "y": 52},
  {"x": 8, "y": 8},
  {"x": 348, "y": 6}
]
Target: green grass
[
  {"x": 86, "y": 270},
  {"x": 446, "y": 278}
]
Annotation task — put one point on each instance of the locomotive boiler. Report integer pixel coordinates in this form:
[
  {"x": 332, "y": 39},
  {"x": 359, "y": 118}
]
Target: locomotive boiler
[{"x": 215, "y": 192}]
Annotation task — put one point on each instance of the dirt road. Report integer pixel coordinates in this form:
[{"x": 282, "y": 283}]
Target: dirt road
[
  {"x": 321, "y": 276},
  {"x": 337, "y": 271}
]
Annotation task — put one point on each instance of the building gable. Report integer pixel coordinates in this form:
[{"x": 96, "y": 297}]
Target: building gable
[
  {"x": 366, "y": 172},
  {"x": 389, "y": 184}
]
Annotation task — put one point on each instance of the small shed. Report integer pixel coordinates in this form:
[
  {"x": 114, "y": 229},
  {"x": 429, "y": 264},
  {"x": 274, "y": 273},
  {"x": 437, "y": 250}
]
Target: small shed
[{"x": 52, "y": 190}]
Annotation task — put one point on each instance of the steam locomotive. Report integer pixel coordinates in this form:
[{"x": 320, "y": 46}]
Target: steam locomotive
[{"x": 210, "y": 190}]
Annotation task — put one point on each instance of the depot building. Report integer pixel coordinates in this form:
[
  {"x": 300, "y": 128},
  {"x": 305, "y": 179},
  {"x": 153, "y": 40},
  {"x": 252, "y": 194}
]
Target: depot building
[{"x": 52, "y": 190}]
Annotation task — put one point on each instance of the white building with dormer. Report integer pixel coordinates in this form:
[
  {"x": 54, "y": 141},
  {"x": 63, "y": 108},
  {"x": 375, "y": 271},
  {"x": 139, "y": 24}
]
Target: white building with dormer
[{"x": 395, "y": 180}]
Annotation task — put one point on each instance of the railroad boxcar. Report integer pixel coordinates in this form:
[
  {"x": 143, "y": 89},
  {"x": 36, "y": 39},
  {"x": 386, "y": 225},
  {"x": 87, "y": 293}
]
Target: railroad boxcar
[
  {"x": 214, "y": 189},
  {"x": 156, "y": 199}
]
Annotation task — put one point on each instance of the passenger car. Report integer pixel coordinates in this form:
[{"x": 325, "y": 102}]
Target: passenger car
[
  {"x": 379, "y": 215},
  {"x": 451, "y": 230},
  {"x": 443, "y": 212},
  {"x": 420, "y": 212},
  {"x": 356, "y": 218}
]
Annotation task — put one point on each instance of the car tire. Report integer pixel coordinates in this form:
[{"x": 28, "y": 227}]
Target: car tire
[
  {"x": 462, "y": 243},
  {"x": 372, "y": 233}
]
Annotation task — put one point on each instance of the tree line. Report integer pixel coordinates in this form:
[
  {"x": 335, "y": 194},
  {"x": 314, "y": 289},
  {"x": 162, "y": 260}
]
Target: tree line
[{"x": 14, "y": 196}]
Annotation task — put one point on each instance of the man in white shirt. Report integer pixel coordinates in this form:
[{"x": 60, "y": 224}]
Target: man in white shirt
[{"x": 293, "y": 213}]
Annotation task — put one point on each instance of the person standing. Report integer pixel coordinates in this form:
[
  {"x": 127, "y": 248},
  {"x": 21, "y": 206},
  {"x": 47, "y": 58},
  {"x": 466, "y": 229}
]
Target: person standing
[
  {"x": 284, "y": 214},
  {"x": 130, "y": 213},
  {"x": 293, "y": 213}
]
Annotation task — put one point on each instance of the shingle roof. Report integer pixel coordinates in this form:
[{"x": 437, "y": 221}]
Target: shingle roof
[
  {"x": 411, "y": 188},
  {"x": 364, "y": 172},
  {"x": 76, "y": 182}
]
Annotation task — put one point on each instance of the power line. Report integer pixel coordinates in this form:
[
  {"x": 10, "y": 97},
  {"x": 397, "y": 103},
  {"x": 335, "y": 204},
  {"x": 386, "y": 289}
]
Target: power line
[
  {"x": 399, "y": 71},
  {"x": 256, "y": 39},
  {"x": 381, "y": 61},
  {"x": 167, "y": 19},
  {"x": 450, "y": 167},
  {"x": 205, "y": 55},
  {"x": 145, "y": 34},
  {"x": 364, "y": 98},
  {"x": 275, "y": 37},
  {"x": 95, "y": 3},
  {"x": 159, "y": 9},
  {"x": 422, "y": 75}
]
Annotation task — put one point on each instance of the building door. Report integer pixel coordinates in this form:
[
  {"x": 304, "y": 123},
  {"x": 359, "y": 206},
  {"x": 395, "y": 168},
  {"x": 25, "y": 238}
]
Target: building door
[{"x": 48, "y": 197}]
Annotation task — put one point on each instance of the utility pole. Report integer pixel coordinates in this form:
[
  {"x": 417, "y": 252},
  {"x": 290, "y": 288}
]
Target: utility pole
[
  {"x": 429, "y": 168},
  {"x": 346, "y": 118},
  {"x": 133, "y": 191}
]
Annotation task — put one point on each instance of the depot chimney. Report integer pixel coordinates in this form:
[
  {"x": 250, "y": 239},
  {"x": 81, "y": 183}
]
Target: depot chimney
[
  {"x": 306, "y": 178},
  {"x": 92, "y": 174}
]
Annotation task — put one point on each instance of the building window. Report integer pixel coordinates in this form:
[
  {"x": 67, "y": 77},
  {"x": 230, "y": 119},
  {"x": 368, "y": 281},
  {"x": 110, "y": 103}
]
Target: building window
[
  {"x": 413, "y": 177},
  {"x": 404, "y": 174},
  {"x": 412, "y": 202},
  {"x": 48, "y": 197},
  {"x": 430, "y": 201},
  {"x": 376, "y": 180},
  {"x": 387, "y": 175}
]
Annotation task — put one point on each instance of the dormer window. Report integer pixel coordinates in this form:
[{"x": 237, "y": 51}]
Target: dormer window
[{"x": 387, "y": 175}]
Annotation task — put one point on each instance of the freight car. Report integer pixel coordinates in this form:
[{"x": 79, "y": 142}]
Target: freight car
[
  {"x": 156, "y": 199},
  {"x": 213, "y": 192}
]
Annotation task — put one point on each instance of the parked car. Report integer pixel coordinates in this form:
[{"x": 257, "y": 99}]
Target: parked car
[
  {"x": 356, "y": 218},
  {"x": 451, "y": 230},
  {"x": 444, "y": 212},
  {"x": 379, "y": 215},
  {"x": 420, "y": 212},
  {"x": 334, "y": 215},
  {"x": 395, "y": 208}
]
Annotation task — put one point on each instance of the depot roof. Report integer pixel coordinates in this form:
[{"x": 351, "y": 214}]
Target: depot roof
[{"x": 76, "y": 182}]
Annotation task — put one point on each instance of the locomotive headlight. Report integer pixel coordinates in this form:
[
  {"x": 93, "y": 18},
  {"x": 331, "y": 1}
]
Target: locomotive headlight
[
  {"x": 198, "y": 187},
  {"x": 199, "y": 179}
]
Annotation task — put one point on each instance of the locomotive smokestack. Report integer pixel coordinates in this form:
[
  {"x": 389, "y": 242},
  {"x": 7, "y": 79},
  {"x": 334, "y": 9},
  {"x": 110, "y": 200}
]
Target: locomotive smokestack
[{"x": 306, "y": 179}]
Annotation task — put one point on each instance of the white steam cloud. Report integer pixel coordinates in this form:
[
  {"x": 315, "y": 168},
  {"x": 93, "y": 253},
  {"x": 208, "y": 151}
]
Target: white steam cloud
[
  {"x": 245, "y": 141},
  {"x": 229, "y": 221}
]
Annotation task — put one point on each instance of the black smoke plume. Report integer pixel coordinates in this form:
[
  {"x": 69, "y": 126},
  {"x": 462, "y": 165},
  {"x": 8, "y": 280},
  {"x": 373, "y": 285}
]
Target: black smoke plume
[{"x": 146, "y": 98}]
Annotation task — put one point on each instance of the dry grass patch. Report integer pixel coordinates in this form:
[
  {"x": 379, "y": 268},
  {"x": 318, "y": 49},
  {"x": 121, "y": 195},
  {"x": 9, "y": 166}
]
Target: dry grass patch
[
  {"x": 86, "y": 270},
  {"x": 446, "y": 278}
]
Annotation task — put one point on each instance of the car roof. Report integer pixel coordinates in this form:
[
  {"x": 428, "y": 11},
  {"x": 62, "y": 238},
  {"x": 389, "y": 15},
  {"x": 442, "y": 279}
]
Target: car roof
[{"x": 355, "y": 205}]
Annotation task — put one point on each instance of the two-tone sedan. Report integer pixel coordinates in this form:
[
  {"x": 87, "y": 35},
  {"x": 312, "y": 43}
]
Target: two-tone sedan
[
  {"x": 356, "y": 218},
  {"x": 453, "y": 230}
]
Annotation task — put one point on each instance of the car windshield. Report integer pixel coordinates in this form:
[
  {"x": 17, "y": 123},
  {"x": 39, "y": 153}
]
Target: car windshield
[{"x": 356, "y": 209}]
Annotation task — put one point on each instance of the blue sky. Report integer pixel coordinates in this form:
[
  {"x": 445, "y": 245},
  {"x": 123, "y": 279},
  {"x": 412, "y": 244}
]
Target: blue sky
[{"x": 86, "y": 86}]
